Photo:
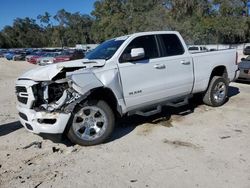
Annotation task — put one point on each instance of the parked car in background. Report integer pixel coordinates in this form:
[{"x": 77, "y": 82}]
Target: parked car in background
[
  {"x": 3, "y": 52},
  {"x": 34, "y": 59},
  {"x": 48, "y": 58},
  {"x": 33, "y": 53},
  {"x": 9, "y": 56},
  {"x": 20, "y": 56},
  {"x": 16, "y": 54},
  {"x": 196, "y": 49},
  {"x": 69, "y": 55},
  {"x": 246, "y": 50},
  {"x": 36, "y": 55},
  {"x": 244, "y": 67}
]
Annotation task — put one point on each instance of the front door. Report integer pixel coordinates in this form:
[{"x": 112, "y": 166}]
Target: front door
[{"x": 143, "y": 80}]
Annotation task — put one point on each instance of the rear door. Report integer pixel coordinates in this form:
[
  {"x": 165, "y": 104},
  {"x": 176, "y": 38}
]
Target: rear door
[{"x": 179, "y": 75}]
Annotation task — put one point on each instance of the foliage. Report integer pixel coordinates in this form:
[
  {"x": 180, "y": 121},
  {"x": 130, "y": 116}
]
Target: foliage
[
  {"x": 199, "y": 21},
  {"x": 69, "y": 30}
]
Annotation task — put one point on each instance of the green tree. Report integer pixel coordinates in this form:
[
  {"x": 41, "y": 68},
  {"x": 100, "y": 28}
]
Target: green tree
[
  {"x": 121, "y": 17},
  {"x": 199, "y": 22},
  {"x": 45, "y": 19},
  {"x": 24, "y": 33}
]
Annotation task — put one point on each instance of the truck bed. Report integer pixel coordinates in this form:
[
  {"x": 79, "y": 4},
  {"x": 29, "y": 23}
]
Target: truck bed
[{"x": 205, "y": 62}]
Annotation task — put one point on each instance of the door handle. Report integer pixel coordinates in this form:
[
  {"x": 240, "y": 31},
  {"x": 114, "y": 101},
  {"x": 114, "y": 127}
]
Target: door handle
[
  {"x": 160, "y": 66},
  {"x": 183, "y": 62}
]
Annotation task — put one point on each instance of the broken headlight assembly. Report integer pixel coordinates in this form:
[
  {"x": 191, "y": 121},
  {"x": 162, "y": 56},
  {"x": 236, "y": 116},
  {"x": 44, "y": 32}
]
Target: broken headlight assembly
[{"x": 53, "y": 95}]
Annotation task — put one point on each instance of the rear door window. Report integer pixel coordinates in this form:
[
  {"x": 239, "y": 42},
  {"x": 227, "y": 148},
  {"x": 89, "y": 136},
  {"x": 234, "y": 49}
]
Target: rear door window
[{"x": 171, "y": 45}]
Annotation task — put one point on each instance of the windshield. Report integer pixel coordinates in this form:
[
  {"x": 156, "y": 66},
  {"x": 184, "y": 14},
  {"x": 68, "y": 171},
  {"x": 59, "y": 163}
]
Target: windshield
[{"x": 105, "y": 50}]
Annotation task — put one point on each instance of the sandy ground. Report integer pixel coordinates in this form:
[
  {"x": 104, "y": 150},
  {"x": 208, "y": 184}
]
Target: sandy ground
[{"x": 192, "y": 146}]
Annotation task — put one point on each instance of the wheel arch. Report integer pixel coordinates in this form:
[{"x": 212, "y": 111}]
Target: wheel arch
[
  {"x": 100, "y": 93},
  {"x": 220, "y": 70},
  {"x": 106, "y": 94}
]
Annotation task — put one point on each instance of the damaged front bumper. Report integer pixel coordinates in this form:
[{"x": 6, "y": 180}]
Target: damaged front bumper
[
  {"x": 39, "y": 117},
  {"x": 47, "y": 96},
  {"x": 43, "y": 122}
]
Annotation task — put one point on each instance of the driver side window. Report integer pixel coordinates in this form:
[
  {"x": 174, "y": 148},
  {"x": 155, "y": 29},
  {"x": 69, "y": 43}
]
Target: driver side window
[{"x": 148, "y": 43}]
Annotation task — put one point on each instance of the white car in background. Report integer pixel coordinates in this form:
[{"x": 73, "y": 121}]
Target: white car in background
[
  {"x": 197, "y": 49},
  {"x": 47, "y": 59}
]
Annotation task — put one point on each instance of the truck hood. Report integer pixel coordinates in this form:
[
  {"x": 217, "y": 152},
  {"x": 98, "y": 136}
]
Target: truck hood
[{"x": 47, "y": 73}]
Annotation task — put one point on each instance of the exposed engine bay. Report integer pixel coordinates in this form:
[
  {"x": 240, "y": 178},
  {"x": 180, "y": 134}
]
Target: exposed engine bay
[
  {"x": 55, "y": 93},
  {"x": 59, "y": 89},
  {"x": 53, "y": 96}
]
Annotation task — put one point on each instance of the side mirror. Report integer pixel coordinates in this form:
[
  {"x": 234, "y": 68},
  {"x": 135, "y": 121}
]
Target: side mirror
[
  {"x": 137, "y": 53},
  {"x": 243, "y": 59}
]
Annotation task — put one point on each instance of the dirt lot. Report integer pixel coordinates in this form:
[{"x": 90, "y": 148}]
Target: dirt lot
[{"x": 192, "y": 146}]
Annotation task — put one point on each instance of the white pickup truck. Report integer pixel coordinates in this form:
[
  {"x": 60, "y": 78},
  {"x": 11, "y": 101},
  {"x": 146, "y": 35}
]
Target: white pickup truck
[{"x": 134, "y": 74}]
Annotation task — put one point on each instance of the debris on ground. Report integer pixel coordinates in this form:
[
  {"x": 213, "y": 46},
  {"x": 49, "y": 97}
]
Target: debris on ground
[
  {"x": 238, "y": 130},
  {"x": 225, "y": 137},
  {"x": 57, "y": 150},
  {"x": 71, "y": 150},
  {"x": 180, "y": 143},
  {"x": 133, "y": 181},
  {"x": 28, "y": 162},
  {"x": 36, "y": 144},
  {"x": 38, "y": 184}
]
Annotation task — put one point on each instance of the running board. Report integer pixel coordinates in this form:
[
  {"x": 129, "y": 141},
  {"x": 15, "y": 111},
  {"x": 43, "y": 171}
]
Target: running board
[
  {"x": 179, "y": 103},
  {"x": 157, "y": 109},
  {"x": 149, "y": 112}
]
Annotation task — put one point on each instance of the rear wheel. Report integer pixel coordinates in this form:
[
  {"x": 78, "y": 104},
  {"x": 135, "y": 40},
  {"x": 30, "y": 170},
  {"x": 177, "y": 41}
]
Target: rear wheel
[
  {"x": 92, "y": 123},
  {"x": 216, "y": 93}
]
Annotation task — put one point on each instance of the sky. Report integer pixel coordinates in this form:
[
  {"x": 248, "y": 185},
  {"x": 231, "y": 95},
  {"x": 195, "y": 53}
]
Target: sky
[{"x": 11, "y": 9}]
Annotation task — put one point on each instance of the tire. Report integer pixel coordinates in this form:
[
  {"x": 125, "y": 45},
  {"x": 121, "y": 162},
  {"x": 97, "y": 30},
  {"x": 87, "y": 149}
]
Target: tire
[
  {"x": 92, "y": 123},
  {"x": 216, "y": 93}
]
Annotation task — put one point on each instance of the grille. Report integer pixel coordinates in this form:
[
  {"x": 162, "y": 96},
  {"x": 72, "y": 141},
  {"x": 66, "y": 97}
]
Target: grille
[
  {"x": 22, "y": 99},
  {"x": 21, "y": 89}
]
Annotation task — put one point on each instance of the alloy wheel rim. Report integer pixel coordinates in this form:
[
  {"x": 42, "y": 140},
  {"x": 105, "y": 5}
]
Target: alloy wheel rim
[
  {"x": 89, "y": 123},
  {"x": 219, "y": 92}
]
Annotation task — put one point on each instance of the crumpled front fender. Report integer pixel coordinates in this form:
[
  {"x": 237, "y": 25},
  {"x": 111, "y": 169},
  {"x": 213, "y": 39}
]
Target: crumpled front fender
[{"x": 84, "y": 82}]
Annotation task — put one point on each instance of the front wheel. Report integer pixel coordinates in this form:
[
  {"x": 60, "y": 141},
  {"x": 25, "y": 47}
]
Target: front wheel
[
  {"x": 216, "y": 93},
  {"x": 92, "y": 123}
]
